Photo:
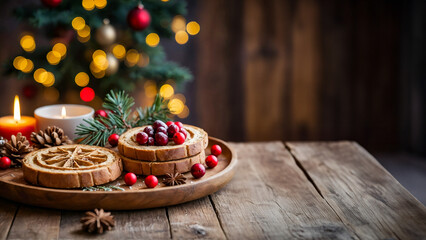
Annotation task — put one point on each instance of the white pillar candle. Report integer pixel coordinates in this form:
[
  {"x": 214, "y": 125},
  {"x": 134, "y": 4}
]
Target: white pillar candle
[{"x": 65, "y": 116}]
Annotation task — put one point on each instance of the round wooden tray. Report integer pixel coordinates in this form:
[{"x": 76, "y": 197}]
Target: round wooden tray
[{"x": 14, "y": 187}]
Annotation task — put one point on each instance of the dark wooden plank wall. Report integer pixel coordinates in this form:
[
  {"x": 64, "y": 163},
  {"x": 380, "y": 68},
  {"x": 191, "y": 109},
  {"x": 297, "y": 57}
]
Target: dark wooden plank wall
[{"x": 300, "y": 70}]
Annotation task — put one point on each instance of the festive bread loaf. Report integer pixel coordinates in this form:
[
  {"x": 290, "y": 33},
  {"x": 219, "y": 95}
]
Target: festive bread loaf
[
  {"x": 196, "y": 142},
  {"x": 71, "y": 166},
  {"x": 162, "y": 168}
]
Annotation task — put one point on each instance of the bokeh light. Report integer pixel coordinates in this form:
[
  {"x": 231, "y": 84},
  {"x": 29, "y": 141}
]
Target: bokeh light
[
  {"x": 100, "y": 3},
  {"x": 119, "y": 51},
  {"x": 181, "y": 97},
  {"x": 51, "y": 94},
  {"x": 27, "y": 43},
  {"x": 20, "y": 62},
  {"x": 132, "y": 57},
  {"x": 40, "y": 75},
  {"x": 152, "y": 39},
  {"x": 143, "y": 60},
  {"x": 193, "y": 28},
  {"x": 166, "y": 91},
  {"x": 81, "y": 79},
  {"x": 87, "y": 94},
  {"x": 181, "y": 37},
  {"x": 150, "y": 88},
  {"x": 29, "y": 67},
  {"x": 176, "y": 106},
  {"x": 78, "y": 23},
  {"x": 184, "y": 113},
  {"x": 100, "y": 60},
  {"x": 88, "y": 4},
  {"x": 85, "y": 32},
  {"x": 60, "y": 48},
  {"x": 53, "y": 57},
  {"x": 50, "y": 79},
  {"x": 178, "y": 23},
  {"x": 82, "y": 39}
]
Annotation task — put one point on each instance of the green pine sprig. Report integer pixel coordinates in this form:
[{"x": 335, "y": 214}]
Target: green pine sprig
[{"x": 120, "y": 119}]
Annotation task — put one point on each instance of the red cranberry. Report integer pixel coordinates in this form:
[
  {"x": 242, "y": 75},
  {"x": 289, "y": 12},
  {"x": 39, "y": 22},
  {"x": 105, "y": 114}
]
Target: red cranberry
[
  {"x": 101, "y": 113},
  {"x": 161, "y": 139},
  {"x": 179, "y": 138},
  {"x": 159, "y": 123},
  {"x": 151, "y": 181},
  {"x": 142, "y": 138},
  {"x": 211, "y": 161},
  {"x": 179, "y": 124},
  {"x": 162, "y": 130},
  {"x": 172, "y": 130},
  {"x": 183, "y": 130},
  {"x": 149, "y": 130},
  {"x": 130, "y": 178},
  {"x": 198, "y": 170},
  {"x": 169, "y": 123},
  {"x": 151, "y": 141},
  {"x": 113, "y": 139},
  {"x": 5, "y": 162},
  {"x": 216, "y": 150}
]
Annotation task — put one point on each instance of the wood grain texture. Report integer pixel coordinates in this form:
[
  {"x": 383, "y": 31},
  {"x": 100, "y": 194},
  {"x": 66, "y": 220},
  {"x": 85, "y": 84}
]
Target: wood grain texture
[
  {"x": 35, "y": 223},
  {"x": 195, "y": 220},
  {"x": 364, "y": 195},
  {"x": 7, "y": 214},
  {"x": 270, "y": 197}
]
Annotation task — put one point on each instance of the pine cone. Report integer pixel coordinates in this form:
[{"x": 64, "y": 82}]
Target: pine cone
[
  {"x": 97, "y": 221},
  {"x": 16, "y": 148},
  {"x": 50, "y": 137},
  {"x": 2, "y": 142}
]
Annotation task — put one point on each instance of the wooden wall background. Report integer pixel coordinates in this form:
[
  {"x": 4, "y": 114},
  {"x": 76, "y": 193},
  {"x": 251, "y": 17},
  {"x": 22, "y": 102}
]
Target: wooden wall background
[{"x": 304, "y": 70}]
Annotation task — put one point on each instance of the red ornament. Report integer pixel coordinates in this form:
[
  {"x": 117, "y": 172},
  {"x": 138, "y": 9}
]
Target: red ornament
[
  {"x": 179, "y": 138},
  {"x": 113, "y": 139},
  {"x": 130, "y": 178},
  {"x": 216, "y": 150},
  {"x": 211, "y": 161},
  {"x": 151, "y": 181},
  {"x": 51, "y": 3},
  {"x": 5, "y": 162},
  {"x": 198, "y": 170},
  {"x": 87, "y": 94},
  {"x": 101, "y": 113},
  {"x": 139, "y": 18}
]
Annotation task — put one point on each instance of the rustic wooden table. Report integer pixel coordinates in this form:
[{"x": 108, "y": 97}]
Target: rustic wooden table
[{"x": 331, "y": 190}]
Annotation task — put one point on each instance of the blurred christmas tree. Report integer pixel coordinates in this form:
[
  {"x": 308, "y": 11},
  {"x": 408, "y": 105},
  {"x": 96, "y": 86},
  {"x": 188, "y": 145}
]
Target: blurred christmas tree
[{"x": 95, "y": 45}]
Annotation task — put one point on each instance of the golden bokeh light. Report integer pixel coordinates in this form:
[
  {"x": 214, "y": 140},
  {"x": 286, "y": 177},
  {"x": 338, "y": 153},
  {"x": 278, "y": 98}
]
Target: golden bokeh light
[
  {"x": 180, "y": 97},
  {"x": 39, "y": 75},
  {"x": 100, "y": 3},
  {"x": 20, "y": 62},
  {"x": 152, "y": 39},
  {"x": 94, "y": 68},
  {"x": 53, "y": 57},
  {"x": 85, "y": 32},
  {"x": 83, "y": 40},
  {"x": 50, "y": 79},
  {"x": 193, "y": 28},
  {"x": 143, "y": 60},
  {"x": 119, "y": 51},
  {"x": 100, "y": 60},
  {"x": 27, "y": 43},
  {"x": 166, "y": 91},
  {"x": 29, "y": 67},
  {"x": 181, "y": 37},
  {"x": 51, "y": 94},
  {"x": 164, "y": 0},
  {"x": 99, "y": 74},
  {"x": 88, "y": 4},
  {"x": 60, "y": 48},
  {"x": 132, "y": 57},
  {"x": 81, "y": 79},
  {"x": 78, "y": 23},
  {"x": 178, "y": 23},
  {"x": 150, "y": 88},
  {"x": 184, "y": 113},
  {"x": 176, "y": 106}
]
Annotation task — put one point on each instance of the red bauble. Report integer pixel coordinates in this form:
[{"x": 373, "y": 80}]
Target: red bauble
[
  {"x": 5, "y": 163},
  {"x": 151, "y": 181},
  {"x": 211, "y": 161},
  {"x": 113, "y": 139},
  {"x": 216, "y": 150},
  {"x": 130, "y": 178},
  {"x": 101, "y": 113},
  {"x": 179, "y": 138},
  {"x": 51, "y": 3},
  {"x": 198, "y": 170},
  {"x": 138, "y": 18}
]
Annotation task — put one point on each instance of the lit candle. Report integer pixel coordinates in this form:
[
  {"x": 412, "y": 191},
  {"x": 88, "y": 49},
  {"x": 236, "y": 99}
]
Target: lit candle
[
  {"x": 11, "y": 125},
  {"x": 65, "y": 116}
]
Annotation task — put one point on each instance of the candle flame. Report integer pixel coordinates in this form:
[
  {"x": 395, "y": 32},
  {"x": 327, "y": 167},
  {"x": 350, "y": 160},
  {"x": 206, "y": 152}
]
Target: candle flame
[
  {"x": 16, "y": 109},
  {"x": 64, "y": 112}
]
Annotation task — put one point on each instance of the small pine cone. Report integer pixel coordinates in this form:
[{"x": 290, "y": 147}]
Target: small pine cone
[
  {"x": 50, "y": 137},
  {"x": 97, "y": 221},
  {"x": 16, "y": 148}
]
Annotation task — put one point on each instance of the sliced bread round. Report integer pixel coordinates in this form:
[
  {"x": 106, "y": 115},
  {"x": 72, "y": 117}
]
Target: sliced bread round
[{"x": 196, "y": 142}]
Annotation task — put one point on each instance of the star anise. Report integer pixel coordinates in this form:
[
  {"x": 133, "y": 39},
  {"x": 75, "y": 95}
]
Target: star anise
[
  {"x": 173, "y": 179},
  {"x": 97, "y": 221}
]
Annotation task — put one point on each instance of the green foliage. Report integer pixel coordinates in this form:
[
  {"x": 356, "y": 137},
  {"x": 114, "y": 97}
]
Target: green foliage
[
  {"x": 55, "y": 23},
  {"x": 120, "y": 119}
]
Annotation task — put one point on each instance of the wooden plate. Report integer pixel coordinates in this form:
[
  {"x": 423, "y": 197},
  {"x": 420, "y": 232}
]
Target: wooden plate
[{"x": 14, "y": 187}]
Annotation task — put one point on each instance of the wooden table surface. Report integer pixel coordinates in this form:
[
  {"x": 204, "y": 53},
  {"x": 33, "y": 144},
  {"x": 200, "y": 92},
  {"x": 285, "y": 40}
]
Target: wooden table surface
[{"x": 333, "y": 190}]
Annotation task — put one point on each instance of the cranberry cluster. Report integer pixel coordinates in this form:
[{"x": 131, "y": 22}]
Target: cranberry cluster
[{"x": 160, "y": 133}]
